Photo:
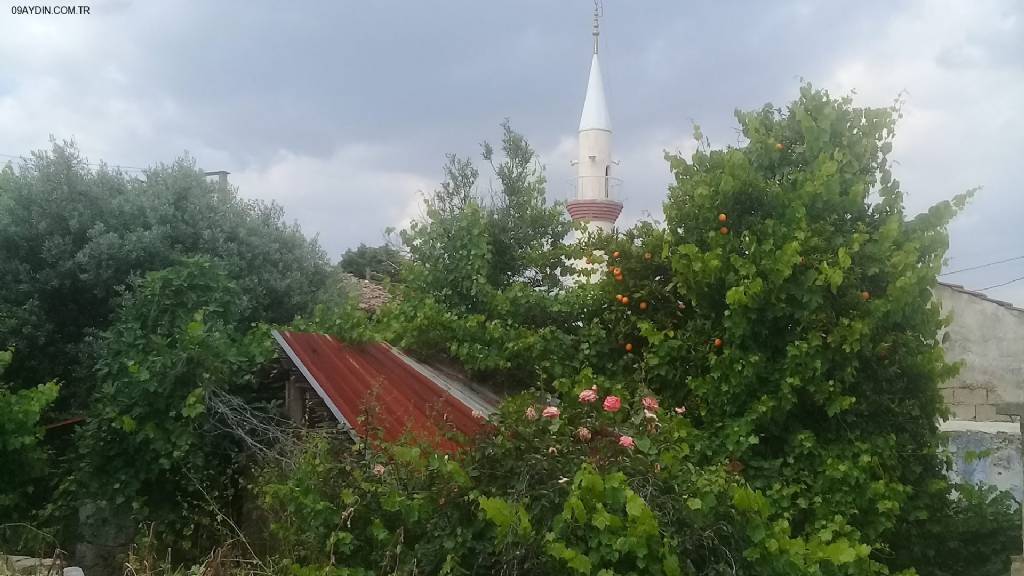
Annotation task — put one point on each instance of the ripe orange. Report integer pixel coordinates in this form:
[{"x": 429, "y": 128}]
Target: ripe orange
[
  {"x": 615, "y": 254},
  {"x": 625, "y": 300},
  {"x": 629, "y": 347},
  {"x": 779, "y": 145},
  {"x": 722, "y": 217},
  {"x": 865, "y": 295},
  {"x": 618, "y": 297},
  {"x": 718, "y": 342},
  {"x": 723, "y": 230},
  {"x": 643, "y": 305},
  {"x": 618, "y": 277},
  {"x": 617, "y": 271}
]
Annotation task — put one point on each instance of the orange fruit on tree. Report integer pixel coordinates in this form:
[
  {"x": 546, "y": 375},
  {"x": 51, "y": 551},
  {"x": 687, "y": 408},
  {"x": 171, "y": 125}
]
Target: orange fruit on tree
[
  {"x": 615, "y": 254},
  {"x": 643, "y": 305},
  {"x": 618, "y": 277},
  {"x": 865, "y": 295},
  {"x": 617, "y": 271},
  {"x": 718, "y": 342},
  {"x": 779, "y": 145},
  {"x": 629, "y": 347},
  {"x": 722, "y": 217},
  {"x": 723, "y": 230},
  {"x": 625, "y": 300},
  {"x": 618, "y": 297}
]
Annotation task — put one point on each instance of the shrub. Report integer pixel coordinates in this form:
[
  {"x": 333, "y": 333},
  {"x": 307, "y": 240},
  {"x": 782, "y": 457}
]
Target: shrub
[
  {"x": 575, "y": 488},
  {"x": 22, "y": 454}
]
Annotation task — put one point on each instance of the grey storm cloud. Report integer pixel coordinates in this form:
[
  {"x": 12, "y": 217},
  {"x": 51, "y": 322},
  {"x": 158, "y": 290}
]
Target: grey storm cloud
[{"x": 342, "y": 111}]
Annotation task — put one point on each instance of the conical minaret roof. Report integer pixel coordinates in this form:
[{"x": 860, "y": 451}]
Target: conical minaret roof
[{"x": 595, "y": 107}]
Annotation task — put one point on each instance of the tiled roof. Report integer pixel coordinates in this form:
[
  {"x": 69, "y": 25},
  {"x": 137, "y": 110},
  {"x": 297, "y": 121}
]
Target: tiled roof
[{"x": 962, "y": 290}]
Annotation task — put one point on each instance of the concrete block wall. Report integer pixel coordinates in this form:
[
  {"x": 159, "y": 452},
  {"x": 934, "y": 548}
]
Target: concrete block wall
[
  {"x": 977, "y": 404},
  {"x": 987, "y": 337}
]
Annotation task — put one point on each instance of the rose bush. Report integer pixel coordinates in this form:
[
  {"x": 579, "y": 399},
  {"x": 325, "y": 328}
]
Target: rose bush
[{"x": 588, "y": 492}]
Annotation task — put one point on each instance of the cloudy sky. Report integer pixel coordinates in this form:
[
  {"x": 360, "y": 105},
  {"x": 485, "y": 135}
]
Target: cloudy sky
[{"x": 342, "y": 111}]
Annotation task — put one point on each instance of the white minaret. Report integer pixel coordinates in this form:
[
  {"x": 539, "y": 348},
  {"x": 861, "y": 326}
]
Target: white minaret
[{"x": 596, "y": 188}]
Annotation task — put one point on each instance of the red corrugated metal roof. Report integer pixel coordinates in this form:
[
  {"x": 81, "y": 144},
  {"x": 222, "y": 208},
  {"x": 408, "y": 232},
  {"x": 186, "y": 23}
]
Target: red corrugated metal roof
[{"x": 353, "y": 379}]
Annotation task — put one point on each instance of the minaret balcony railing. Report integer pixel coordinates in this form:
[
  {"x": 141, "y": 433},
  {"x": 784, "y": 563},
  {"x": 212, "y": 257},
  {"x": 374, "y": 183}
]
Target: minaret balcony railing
[{"x": 611, "y": 186}]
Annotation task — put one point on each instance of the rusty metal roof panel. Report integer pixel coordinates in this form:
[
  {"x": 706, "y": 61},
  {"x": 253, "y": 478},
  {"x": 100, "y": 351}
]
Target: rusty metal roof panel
[{"x": 376, "y": 385}]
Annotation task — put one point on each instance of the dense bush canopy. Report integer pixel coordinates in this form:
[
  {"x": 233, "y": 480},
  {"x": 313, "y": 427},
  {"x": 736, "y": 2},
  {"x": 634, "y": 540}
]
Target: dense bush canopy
[{"x": 72, "y": 237}]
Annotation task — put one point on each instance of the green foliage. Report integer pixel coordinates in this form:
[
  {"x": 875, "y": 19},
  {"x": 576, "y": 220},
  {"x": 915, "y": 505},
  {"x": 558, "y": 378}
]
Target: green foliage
[
  {"x": 539, "y": 496},
  {"x": 786, "y": 302},
  {"x": 479, "y": 284},
  {"x": 336, "y": 312},
  {"x": 383, "y": 261},
  {"x": 73, "y": 238},
  {"x": 466, "y": 249},
  {"x": 523, "y": 230},
  {"x": 826, "y": 383},
  {"x": 976, "y": 533},
  {"x": 155, "y": 447},
  {"x": 773, "y": 346},
  {"x": 605, "y": 523},
  {"x": 23, "y": 456}
]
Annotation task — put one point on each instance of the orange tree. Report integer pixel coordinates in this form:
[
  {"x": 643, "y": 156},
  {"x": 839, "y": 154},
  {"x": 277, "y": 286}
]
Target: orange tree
[{"x": 787, "y": 302}]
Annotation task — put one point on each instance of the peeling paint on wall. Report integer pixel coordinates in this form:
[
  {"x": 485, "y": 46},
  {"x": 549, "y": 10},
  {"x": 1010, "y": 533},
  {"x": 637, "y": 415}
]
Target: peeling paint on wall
[{"x": 986, "y": 453}]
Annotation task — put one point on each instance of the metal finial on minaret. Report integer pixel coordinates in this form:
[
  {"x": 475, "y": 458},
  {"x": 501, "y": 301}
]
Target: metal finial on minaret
[{"x": 597, "y": 25}]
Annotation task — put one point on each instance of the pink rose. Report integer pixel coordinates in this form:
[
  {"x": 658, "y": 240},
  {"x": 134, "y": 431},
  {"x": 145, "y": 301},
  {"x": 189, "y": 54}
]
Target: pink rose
[
  {"x": 583, "y": 434},
  {"x": 550, "y": 413},
  {"x": 680, "y": 410},
  {"x": 651, "y": 403},
  {"x": 612, "y": 404},
  {"x": 531, "y": 414},
  {"x": 588, "y": 396},
  {"x": 626, "y": 441}
]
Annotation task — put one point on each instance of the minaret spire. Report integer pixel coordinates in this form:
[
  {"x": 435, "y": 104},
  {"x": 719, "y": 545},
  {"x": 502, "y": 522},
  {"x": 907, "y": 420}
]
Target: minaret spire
[{"x": 597, "y": 22}]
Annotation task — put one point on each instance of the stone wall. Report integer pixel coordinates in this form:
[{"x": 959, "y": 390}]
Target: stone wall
[
  {"x": 28, "y": 566},
  {"x": 987, "y": 337}
]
